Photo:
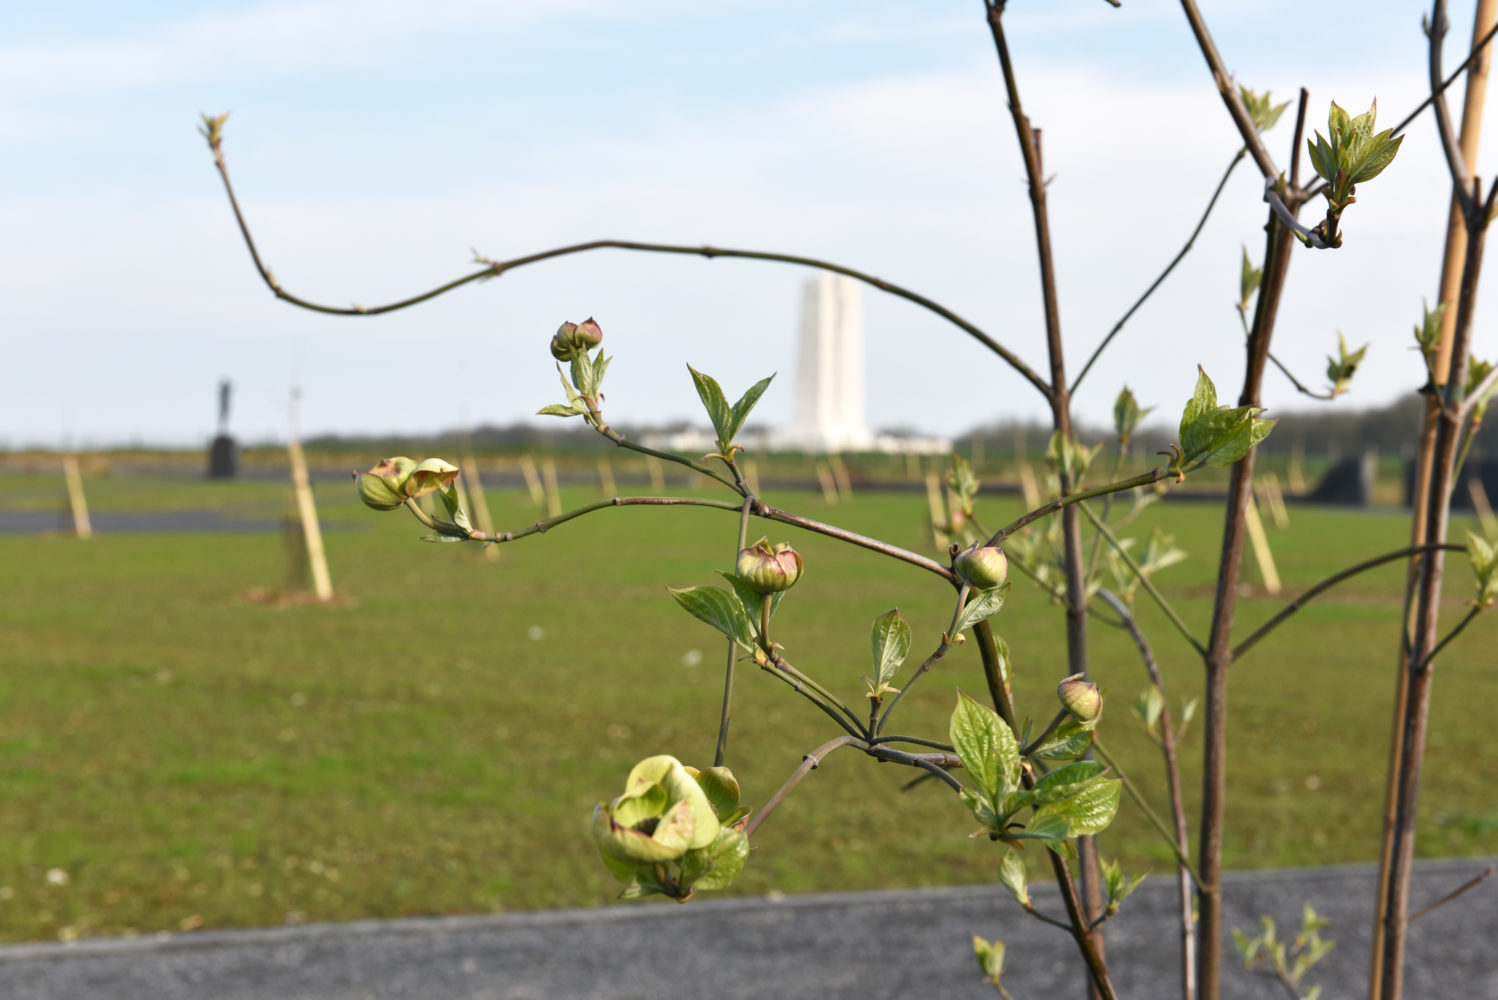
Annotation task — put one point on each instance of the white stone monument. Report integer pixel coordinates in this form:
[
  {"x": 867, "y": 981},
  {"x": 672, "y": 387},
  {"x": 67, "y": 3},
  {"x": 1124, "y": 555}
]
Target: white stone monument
[{"x": 829, "y": 371}]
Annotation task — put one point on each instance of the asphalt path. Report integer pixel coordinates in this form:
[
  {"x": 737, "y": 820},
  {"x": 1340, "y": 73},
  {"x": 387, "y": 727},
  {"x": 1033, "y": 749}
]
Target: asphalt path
[{"x": 905, "y": 944}]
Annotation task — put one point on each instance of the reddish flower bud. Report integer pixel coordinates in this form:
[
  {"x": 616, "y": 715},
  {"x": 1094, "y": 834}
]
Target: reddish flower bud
[
  {"x": 983, "y": 566},
  {"x": 766, "y": 570},
  {"x": 1081, "y": 698}
]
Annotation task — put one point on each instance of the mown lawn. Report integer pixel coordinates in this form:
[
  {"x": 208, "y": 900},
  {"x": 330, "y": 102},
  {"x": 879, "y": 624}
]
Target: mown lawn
[{"x": 176, "y": 754}]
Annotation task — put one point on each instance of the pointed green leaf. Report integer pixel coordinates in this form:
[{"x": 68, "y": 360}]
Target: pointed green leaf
[
  {"x": 1090, "y": 810},
  {"x": 717, "y": 865},
  {"x": 1012, "y": 876},
  {"x": 1379, "y": 153},
  {"x": 720, "y": 609},
  {"x": 990, "y": 958},
  {"x": 558, "y": 410},
  {"x": 980, "y": 606},
  {"x": 890, "y": 639},
  {"x": 750, "y": 599},
  {"x": 985, "y": 745},
  {"x": 1213, "y": 435},
  {"x": 582, "y": 375},
  {"x": 1067, "y": 741},
  {"x": 716, "y": 404},
  {"x": 740, "y": 411},
  {"x": 456, "y": 515}
]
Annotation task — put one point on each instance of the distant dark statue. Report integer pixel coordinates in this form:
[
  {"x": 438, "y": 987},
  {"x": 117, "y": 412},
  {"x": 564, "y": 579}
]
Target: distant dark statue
[
  {"x": 223, "y": 454},
  {"x": 1349, "y": 482}
]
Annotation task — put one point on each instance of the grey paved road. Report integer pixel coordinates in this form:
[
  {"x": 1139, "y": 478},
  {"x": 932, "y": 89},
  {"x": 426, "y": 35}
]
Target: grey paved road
[{"x": 909, "y": 945}]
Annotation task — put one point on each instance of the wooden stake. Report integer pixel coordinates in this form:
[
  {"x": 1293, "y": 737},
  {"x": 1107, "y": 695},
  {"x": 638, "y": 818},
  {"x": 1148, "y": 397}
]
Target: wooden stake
[
  {"x": 657, "y": 474},
  {"x": 938, "y": 510},
  {"x": 532, "y": 480},
  {"x": 480, "y": 503},
  {"x": 553, "y": 494},
  {"x": 301, "y": 486},
  {"x": 82, "y": 526},
  {"x": 840, "y": 477},
  {"x": 751, "y": 475},
  {"x": 1296, "y": 474},
  {"x": 606, "y": 477},
  {"x": 1482, "y": 506},
  {"x": 1261, "y": 547},
  {"x": 1028, "y": 486},
  {"x": 829, "y": 488}
]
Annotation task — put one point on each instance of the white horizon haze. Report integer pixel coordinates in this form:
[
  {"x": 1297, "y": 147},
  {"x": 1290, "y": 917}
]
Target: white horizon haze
[{"x": 371, "y": 147}]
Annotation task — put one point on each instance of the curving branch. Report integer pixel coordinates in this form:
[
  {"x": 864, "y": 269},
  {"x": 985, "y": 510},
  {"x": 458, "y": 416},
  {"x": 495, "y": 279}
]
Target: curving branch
[
  {"x": 1229, "y": 93},
  {"x": 213, "y": 131},
  {"x": 1190, "y": 241},
  {"x": 1332, "y": 581}
]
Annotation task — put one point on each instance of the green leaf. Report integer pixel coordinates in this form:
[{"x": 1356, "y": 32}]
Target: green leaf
[
  {"x": 1214, "y": 435},
  {"x": 1012, "y": 877},
  {"x": 1483, "y": 556},
  {"x": 740, "y": 411},
  {"x": 600, "y": 366},
  {"x": 717, "y": 865},
  {"x": 1090, "y": 810},
  {"x": 582, "y": 375},
  {"x": 980, "y": 606},
  {"x": 1126, "y": 415},
  {"x": 750, "y": 599},
  {"x": 1248, "y": 282},
  {"x": 1380, "y": 152},
  {"x": 1066, "y": 781},
  {"x": 982, "y": 809},
  {"x": 437, "y": 537},
  {"x": 990, "y": 958},
  {"x": 558, "y": 410},
  {"x": 716, "y": 404},
  {"x": 1049, "y": 826},
  {"x": 720, "y": 609},
  {"x": 456, "y": 515},
  {"x": 986, "y": 746},
  {"x": 890, "y": 641},
  {"x": 1067, "y": 741}
]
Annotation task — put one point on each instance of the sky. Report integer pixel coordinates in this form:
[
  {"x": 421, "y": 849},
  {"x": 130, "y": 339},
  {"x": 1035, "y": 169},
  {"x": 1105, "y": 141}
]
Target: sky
[{"x": 375, "y": 145}]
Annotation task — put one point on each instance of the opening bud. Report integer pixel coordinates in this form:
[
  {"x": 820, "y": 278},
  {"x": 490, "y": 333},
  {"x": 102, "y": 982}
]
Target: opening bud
[
  {"x": 383, "y": 487},
  {"x": 983, "y": 566},
  {"x": 766, "y": 570},
  {"x": 1081, "y": 698},
  {"x": 572, "y": 338}
]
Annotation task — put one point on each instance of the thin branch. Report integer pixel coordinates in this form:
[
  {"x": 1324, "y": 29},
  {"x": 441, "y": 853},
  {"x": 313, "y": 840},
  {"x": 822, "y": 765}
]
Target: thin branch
[
  {"x": 1461, "y": 177},
  {"x": 1300, "y": 132},
  {"x": 1229, "y": 93},
  {"x": 1300, "y": 387},
  {"x": 1330, "y": 582},
  {"x": 720, "y": 750},
  {"x": 1482, "y": 388},
  {"x": 1149, "y": 813},
  {"x": 494, "y": 268},
  {"x": 1471, "y": 883},
  {"x": 764, "y": 510},
  {"x": 1145, "y": 581},
  {"x": 1456, "y": 630},
  {"x": 546, "y": 524},
  {"x": 1190, "y": 241},
  {"x": 1143, "y": 479},
  {"x": 809, "y": 763}
]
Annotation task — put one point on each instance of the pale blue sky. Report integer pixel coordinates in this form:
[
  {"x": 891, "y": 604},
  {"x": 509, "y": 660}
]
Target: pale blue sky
[{"x": 374, "y": 143}]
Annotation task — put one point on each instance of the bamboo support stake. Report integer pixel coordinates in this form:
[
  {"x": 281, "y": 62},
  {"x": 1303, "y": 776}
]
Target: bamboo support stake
[
  {"x": 829, "y": 488},
  {"x": 532, "y": 480},
  {"x": 479, "y": 504},
  {"x": 1295, "y": 475},
  {"x": 606, "y": 477},
  {"x": 301, "y": 485},
  {"x": 657, "y": 474},
  {"x": 1483, "y": 508},
  {"x": 1475, "y": 97},
  {"x": 1260, "y": 543},
  {"x": 1028, "y": 486},
  {"x": 77, "y": 502},
  {"x": 840, "y": 477},
  {"x": 553, "y": 493},
  {"x": 751, "y": 475},
  {"x": 938, "y": 510}
]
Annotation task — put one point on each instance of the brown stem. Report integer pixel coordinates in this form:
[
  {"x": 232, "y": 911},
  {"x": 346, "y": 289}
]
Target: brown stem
[
  {"x": 1167, "y": 743},
  {"x": 1219, "y": 649},
  {"x": 1060, "y": 399},
  {"x": 1229, "y": 93},
  {"x": 1394, "y": 906}
]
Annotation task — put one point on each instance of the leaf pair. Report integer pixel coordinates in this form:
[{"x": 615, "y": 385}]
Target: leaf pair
[
  {"x": 889, "y": 641},
  {"x": 727, "y": 420},
  {"x": 587, "y": 381},
  {"x": 1217, "y": 435}
]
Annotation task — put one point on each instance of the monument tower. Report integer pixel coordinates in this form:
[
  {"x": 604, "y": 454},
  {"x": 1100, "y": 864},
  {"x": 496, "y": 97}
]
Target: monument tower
[{"x": 829, "y": 369}]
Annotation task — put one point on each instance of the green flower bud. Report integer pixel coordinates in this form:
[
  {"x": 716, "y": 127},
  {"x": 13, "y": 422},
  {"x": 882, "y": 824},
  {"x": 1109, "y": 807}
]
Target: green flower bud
[
  {"x": 1081, "y": 698},
  {"x": 983, "y": 566},
  {"x": 662, "y": 814},
  {"x": 766, "y": 570},
  {"x": 382, "y": 487},
  {"x": 429, "y": 477},
  {"x": 561, "y": 342},
  {"x": 571, "y": 338}
]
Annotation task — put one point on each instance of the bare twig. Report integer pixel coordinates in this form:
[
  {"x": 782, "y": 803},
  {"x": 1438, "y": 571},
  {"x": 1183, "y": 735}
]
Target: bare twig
[
  {"x": 1471, "y": 883},
  {"x": 1229, "y": 93}
]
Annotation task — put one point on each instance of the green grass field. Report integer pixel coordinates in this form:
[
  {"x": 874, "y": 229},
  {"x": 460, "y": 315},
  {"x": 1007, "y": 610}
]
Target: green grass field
[{"x": 175, "y": 754}]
